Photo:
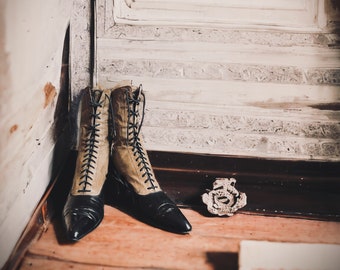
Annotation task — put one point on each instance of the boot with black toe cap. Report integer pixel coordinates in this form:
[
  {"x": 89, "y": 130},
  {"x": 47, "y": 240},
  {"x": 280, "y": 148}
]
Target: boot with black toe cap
[
  {"x": 84, "y": 208},
  {"x": 130, "y": 162}
]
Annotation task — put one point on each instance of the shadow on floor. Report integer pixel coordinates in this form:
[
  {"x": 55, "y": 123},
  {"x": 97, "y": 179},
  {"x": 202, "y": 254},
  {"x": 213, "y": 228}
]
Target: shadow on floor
[{"x": 223, "y": 260}]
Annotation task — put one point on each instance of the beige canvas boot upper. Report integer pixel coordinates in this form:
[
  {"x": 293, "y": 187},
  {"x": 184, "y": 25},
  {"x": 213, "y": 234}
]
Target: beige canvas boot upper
[
  {"x": 128, "y": 153},
  {"x": 93, "y": 156}
]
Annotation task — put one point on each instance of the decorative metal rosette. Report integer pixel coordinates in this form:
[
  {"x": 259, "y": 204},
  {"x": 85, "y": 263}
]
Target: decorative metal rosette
[{"x": 224, "y": 199}]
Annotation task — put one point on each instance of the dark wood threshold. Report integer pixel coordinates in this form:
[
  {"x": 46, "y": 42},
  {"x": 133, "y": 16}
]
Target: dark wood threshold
[{"x": 306, "y": 189}]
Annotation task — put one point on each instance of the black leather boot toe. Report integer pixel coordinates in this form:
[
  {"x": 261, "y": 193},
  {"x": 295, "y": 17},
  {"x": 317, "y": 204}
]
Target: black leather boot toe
[
  {"x": 162, "y": 212},
  {"x": 81, "y": 215},
  {"x": 155, "y": 209}
]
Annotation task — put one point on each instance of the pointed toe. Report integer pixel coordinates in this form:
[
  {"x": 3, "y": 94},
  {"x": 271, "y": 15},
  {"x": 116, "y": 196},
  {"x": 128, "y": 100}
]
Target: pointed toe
[
  {"x": 169, "y": 216},
  {"x": 163, "y": 213},
  {"x": 78, "y": 224},
  {"x": 82, "y": 214}
]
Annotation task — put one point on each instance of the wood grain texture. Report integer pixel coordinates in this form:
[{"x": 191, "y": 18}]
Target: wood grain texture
[{"x": 122, "y": 242}]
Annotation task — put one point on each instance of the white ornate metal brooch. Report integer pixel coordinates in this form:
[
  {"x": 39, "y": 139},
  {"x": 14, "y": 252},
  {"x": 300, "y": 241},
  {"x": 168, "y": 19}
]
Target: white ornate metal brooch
[{"x": 224, "y": 198}]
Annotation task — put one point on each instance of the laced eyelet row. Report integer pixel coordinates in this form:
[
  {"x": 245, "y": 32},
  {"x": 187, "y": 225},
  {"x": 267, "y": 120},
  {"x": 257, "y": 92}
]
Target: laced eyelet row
[
  {"x": 133, "y": 140},
  {"x": 91, "y": 143}
]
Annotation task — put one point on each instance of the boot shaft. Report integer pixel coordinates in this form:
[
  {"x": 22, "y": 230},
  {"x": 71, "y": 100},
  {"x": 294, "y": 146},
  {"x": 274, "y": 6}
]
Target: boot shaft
[
  {"x": 127, "y": 113},
  {"x": 93, "y": 154},
  {"x": 128, "y": 153}
]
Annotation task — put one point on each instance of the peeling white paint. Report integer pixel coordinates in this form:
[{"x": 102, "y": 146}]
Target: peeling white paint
[
  {"x": 33, "y": 37},
  {"x": 221, "y": 82}
]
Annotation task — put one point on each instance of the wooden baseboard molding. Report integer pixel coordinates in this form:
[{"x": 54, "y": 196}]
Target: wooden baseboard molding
[{"x": 306, "y": 189}]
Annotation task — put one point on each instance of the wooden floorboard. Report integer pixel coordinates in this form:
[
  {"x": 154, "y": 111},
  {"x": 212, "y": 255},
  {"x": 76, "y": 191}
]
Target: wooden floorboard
[{"x": 122, "y": 242}]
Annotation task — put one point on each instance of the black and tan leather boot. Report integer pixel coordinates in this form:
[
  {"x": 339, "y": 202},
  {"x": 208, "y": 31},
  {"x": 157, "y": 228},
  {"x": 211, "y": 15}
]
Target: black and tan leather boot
[
  {"x": 132, "y": 167},
  {"x": 84, "y": 208}
]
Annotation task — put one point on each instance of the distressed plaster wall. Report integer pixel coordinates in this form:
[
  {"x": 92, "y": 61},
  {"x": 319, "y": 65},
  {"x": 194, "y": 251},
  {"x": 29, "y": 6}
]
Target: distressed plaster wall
[
  {"x": 228, "y": 77},
  {"x": 32, "y": 37}
]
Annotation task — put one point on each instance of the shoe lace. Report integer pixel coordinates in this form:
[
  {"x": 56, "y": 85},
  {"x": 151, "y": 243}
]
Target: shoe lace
[
  {"x": 91, "y": 142},
  {"x": 133, "y": 139}
]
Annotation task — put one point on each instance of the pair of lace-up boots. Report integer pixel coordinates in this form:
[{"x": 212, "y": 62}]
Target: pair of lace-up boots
[{"x": 111, "y": 150}]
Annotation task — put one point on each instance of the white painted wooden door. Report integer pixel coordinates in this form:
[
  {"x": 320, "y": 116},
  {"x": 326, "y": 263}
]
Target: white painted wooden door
[{"x": 228, "y": 77}]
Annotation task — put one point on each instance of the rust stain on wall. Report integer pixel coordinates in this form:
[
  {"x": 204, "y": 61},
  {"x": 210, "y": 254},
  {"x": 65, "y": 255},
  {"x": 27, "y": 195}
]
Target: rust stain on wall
[
  {"x": 13, "y": 128},
  {"x": 50, "y": 93}
]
